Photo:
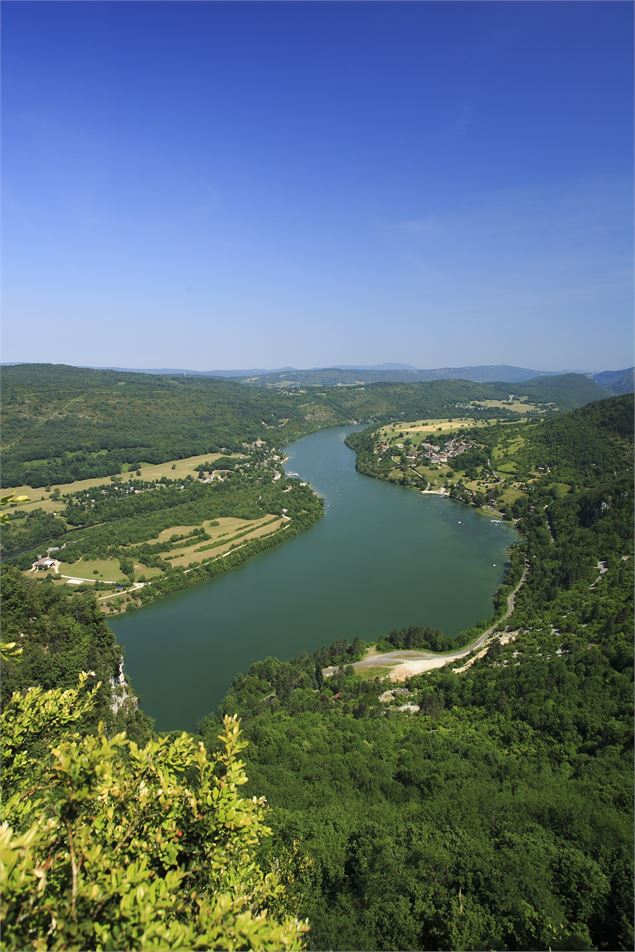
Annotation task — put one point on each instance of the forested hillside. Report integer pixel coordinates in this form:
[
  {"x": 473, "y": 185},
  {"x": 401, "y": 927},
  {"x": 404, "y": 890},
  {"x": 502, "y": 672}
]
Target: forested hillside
[
  {"x": 566, "y": 392},
  {"x": 65, "y": 423},
  {"x": 499, "y": 814},
  {"x": 338, "y": 376},
  {"x": 60, "y": 635}
]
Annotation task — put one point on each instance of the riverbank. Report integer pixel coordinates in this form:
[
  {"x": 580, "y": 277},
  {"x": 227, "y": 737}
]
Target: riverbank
[
  {"x": 142, "y": 594},
  {"x": 492, "y": 479},
  {"x": 401, "y": 665},
  {"x": 380, "y": 558}
]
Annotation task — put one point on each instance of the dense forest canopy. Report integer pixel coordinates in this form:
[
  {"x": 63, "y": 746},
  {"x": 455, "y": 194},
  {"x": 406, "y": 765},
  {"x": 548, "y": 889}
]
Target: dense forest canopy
[
  {"x": 62, "y": 634},
  {"x": 500, "y": 814}
]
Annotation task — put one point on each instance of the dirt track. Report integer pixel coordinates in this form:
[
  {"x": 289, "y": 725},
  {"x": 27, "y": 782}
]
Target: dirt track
[{"x": 407, "y": 664}]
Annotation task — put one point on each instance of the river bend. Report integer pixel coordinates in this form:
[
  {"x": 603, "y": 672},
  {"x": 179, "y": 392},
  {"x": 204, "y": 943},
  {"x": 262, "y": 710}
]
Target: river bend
[{"x": 382, "y": 557}]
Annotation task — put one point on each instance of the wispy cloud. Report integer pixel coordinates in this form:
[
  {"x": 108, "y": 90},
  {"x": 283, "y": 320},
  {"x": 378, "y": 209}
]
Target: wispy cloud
[{"x": 415, "y": 226}]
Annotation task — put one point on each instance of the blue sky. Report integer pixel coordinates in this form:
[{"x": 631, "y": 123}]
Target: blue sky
[{"x": 220, "y": 185}]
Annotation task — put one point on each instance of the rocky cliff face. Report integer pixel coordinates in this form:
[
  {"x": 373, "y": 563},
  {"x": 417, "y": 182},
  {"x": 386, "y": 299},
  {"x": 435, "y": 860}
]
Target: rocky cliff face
[{"x": 122, "y": 695}]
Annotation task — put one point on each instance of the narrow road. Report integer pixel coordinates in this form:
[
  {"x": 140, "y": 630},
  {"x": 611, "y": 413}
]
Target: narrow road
[
  {"x": 408, "y": 663},
  {"x": 133, "y": 588}
]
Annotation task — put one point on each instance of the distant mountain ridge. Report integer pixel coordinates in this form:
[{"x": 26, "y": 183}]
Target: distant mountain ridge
[
  {"x": 184, "y": 372},
  {"x": 349, "y": 375},
  {"x": 612, "y": 381},
  {"x": 343, "y": 375},
  {"x": 346, "y": 374},
  {"x": 617, "y": 381}
]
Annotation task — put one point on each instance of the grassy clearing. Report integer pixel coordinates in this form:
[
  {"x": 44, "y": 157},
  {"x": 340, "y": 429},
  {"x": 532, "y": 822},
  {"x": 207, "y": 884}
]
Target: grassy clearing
[
  {"x": 46, "y": 504},
  {"x": 96, "y": 570},
  {"x": 508, "y": 448},
  {"x": 145, "y": 570},
  {"x": 503, "y": 456},
  {"x": 510, "y": 495},
  {"x": 376, "y": 671},
  {"x": 435, "y": 475},
  {"x": 229, "y": 525},
  {"x": 214, "y": 544},
  {"x": 563, "y": 489},
  {"x": 517, "y": 406},
  {"x": 167, "y": 534},
  {"x": 172, "y": 469}
]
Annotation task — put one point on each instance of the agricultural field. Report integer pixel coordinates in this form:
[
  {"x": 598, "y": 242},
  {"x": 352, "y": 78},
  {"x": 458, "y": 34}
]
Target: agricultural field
[
  {"x": 423, "y": 428},
  {"x": 158, "y": 527},
  {"x": 47, "y": 498},
  {"x": 517, "y": 405},
  {"x": 235, "y": 532},
  {"x": 509, "y": 494},
  {"x": 187, "y": 546}
]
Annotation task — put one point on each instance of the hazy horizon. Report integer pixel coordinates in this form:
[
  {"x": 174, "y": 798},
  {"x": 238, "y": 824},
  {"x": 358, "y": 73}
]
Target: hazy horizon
[
  {"x": 388, "y": 364},
  {"x": 237, "y": 185},
  {"x": 626, "y": 364}
]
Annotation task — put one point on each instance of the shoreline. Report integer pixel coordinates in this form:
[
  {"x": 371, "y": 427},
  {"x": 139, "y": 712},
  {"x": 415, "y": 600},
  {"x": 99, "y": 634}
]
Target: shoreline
[{"x": 409, "y": 663}]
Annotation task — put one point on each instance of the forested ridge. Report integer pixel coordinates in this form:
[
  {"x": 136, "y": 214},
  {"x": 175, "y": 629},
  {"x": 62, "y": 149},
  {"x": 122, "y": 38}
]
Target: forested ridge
[
  {"x": 498, "y": 815},
  {"x": 349, "y": 376},
  {"x": 63, "y": 423}
]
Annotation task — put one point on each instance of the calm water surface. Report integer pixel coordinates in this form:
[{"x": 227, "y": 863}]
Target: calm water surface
[{"x": 382, "y": 557}]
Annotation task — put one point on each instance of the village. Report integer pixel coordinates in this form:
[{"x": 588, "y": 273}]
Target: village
[
  {"x": 427, "y": 454},
  {"x": 441, "y": 454},
  {"x": 431, "y": 452}
]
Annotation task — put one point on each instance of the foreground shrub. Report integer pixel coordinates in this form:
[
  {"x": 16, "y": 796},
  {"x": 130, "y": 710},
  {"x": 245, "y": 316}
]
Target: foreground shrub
[{"x": 107, "y": 844}]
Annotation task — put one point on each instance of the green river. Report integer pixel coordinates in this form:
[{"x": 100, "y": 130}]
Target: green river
[{"x": 382, "y": 557}]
